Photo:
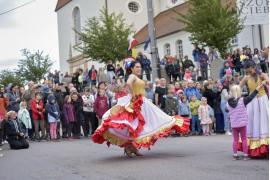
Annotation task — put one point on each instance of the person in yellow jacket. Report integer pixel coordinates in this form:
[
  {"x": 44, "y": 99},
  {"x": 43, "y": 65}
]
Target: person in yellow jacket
[{"x": 194, "y": 106}]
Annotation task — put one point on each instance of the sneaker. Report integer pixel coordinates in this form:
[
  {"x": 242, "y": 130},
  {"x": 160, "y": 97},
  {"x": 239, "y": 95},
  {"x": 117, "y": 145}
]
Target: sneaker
[
  {"x": 235, "y": 157},
  {"x": 228, "y": 133},
  {"x": 5, "y": 142},
  {"x": 1, "y": 149},
  {"x": 245, "y": 158},
  {"x": 1, "y": 155}
]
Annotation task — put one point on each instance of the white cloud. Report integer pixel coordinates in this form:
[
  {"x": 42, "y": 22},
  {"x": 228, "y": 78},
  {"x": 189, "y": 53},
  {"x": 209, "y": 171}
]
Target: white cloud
[{"x": 34, "y": 28}]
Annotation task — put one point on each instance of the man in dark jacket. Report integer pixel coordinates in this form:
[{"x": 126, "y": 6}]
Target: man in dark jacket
[
  {"x": 15, "y": 135},
  {"x": 119, "y": 71},
  {"x": 236, "y": 60},
  {"x": 210, "y": 94},
  {"x": 59, "y": 97},
  {"x": 204, "y": 64},
  {"x": 78, "y": 107},
  {"x": 213, "y": 100},
  {"x": 146, "y": 67},
  {"x": 187, "y": 63},
  {"x": 139, "y": 58},
  {"x": 169, "y": 70},
  {"x": 176, "y": 70}
]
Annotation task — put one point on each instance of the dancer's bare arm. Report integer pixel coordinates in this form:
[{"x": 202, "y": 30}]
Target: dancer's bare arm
[
  {"x": 243, "y": 81},
  {"x": 132, "y": 78},
  {"x": 265, "y": 78}
]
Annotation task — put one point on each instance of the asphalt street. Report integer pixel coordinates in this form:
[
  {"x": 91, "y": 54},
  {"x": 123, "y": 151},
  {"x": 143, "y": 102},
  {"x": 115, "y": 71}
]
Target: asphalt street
[{"x": 173, "y": 158}]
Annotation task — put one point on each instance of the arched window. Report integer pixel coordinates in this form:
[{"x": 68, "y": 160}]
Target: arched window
[
  {"x": 234, "y": 41},
  {"x": 77, "y": 24},
  {"x": 167, "y": 49},
  {"x": 179, "y": 48}
]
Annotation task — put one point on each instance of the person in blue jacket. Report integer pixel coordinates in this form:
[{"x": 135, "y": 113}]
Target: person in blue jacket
[
  {"x": 53, "y": 111},
  {"x": 192, "y": 90}
]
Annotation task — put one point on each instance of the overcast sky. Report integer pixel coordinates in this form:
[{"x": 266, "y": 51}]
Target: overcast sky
[{"x": 33, "y": 26}]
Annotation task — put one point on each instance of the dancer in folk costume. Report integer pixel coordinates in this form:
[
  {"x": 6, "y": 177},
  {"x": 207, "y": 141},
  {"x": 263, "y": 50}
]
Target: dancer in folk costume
[
  {"x": 134, "y": 122},
  {"x": 258, "y": 111}
]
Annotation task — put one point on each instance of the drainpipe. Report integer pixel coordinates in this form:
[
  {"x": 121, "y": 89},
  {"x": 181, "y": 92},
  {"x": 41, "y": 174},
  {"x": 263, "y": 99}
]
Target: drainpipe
[
  {"x": 260, "y": 35},
  {"x": 253, "y": 34}
]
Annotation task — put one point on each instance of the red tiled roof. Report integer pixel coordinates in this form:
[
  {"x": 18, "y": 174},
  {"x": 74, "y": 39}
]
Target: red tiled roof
[
  {"x": 61, "y": 3},
  {"x": 165, "y": 23}
]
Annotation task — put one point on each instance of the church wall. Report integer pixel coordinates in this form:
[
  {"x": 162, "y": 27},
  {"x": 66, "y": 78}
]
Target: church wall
[
  {"x": 137, "y": 20},
  {"x": 65, "y": 27}
]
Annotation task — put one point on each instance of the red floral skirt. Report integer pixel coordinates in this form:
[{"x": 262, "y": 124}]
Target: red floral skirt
[{"x": 137, "y": 121}]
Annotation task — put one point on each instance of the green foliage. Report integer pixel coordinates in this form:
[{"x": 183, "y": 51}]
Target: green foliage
[
  {"x": 105, "y": 38},
  {"x": 212, "y": 23},
  {"x": 8, "y": 76},
  {"x": 34, "y": 66}
]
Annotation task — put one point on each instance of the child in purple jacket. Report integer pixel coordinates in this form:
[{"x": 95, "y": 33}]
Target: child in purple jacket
[
  {"x": 239, "y": 117},
  {"x": 69, "y": 114}
]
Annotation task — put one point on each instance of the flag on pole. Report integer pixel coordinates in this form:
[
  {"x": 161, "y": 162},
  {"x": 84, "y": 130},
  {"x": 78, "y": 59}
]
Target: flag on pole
[
  {"x": 134, "y": 53},
  {"x": 147, "y": 44},
  {"x": 132, "y": 43}
]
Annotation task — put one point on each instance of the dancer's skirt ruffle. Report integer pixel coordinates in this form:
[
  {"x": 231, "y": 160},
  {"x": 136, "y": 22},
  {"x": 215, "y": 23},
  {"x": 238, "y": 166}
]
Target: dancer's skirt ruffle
[{"x": 121, "y": 127}]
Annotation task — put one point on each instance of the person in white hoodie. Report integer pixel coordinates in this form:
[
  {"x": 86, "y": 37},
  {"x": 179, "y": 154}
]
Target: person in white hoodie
[
  {"x": 89, "y": 113},
  {"x": 24, "y": 117}
]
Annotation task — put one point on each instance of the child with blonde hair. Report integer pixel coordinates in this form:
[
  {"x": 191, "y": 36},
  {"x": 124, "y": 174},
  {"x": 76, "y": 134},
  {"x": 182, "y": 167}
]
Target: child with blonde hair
[
  {"x": 239, "y": 117},
  {"x": 194, "y": 106},
  {"x": 204, "y": 116},
  {"x": 24, "y": 117}
]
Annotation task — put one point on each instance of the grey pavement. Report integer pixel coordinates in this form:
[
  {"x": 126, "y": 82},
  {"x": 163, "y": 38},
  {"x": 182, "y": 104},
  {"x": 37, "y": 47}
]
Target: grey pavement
[{"x": 174, "y": 158}]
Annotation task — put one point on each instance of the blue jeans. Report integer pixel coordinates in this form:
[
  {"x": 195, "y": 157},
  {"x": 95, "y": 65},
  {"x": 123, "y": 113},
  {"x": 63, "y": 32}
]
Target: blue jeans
[
  {"x": 195, "y": 122},
  {"x": 227, "y": 126}
]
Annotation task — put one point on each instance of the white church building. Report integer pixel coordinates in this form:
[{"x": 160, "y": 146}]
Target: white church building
[{"x": 171, "y": 39}]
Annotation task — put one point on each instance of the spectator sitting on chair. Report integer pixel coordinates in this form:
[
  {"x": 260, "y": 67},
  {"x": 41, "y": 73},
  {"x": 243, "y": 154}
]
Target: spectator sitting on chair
[{"x": 16, "y": 138}]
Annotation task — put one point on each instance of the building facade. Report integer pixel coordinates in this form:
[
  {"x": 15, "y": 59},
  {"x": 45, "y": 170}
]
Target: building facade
[
  {"x": 72, "y": 14},
  {"x": 171, "y": 39}
]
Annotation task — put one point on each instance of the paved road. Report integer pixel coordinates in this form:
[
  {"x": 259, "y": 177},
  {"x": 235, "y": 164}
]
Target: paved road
[{"x": 179, "y": 158}]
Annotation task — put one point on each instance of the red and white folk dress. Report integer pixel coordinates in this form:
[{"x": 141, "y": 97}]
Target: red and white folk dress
[{"x": 136, "y": 120}]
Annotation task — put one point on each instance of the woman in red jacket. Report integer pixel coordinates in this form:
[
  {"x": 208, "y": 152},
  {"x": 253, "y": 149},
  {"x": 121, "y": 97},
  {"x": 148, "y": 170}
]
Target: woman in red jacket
[{"x": 37, "y": 108}]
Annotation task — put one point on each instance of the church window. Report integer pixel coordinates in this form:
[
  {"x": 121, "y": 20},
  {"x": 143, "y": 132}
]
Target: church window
[
  {"x": 179, "y": 48},
  {"x": 77, "y": 24},
  {"x": 167, "y": 49}
]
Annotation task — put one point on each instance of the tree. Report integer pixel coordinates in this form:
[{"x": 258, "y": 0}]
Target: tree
[
  {"x": 34, "y": 66},
  {"x": 105, "y": 38},
  {"x": 8, "y": 76},
  {"x": 212, "y": 23}
]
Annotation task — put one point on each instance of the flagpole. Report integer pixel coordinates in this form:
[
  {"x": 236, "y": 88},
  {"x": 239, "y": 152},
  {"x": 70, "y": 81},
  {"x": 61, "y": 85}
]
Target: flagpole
[{"x": 151, "y": 31}]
